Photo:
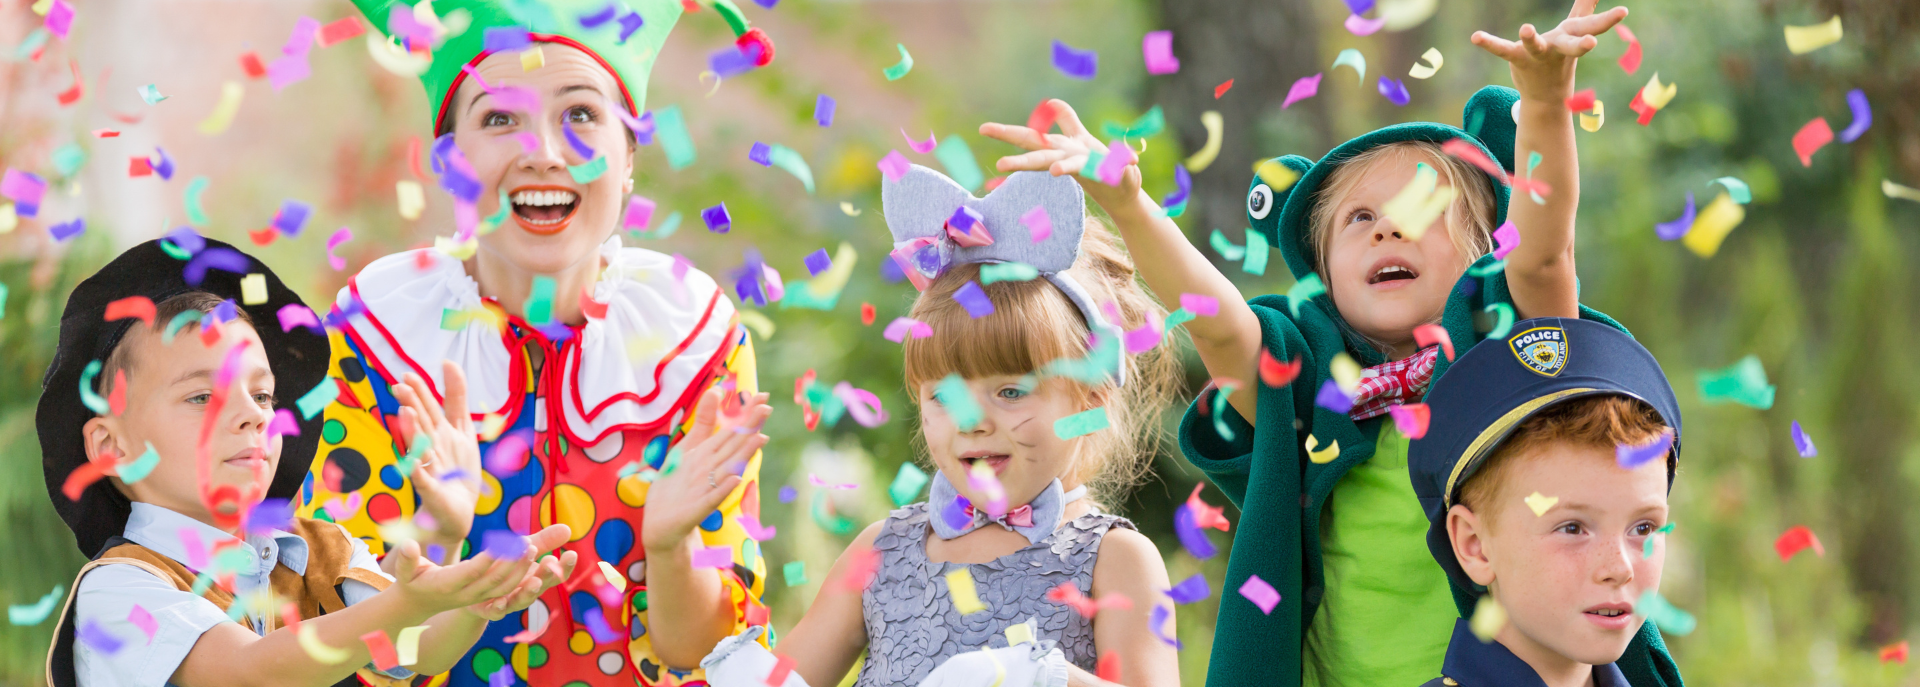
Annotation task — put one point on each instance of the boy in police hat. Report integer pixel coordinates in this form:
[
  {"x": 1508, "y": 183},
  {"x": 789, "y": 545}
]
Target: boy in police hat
[
  {"x": 1544, "y": 475},
  {"x": 160, "y": 443}
]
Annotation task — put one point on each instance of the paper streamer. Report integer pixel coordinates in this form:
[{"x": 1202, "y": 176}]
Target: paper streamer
[
  {"x": 1423, "y": 71},
  {"x": 223, "y": 112}
]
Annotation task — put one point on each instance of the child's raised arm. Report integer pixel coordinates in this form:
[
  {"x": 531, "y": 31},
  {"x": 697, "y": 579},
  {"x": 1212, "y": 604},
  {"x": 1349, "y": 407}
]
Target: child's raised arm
[
  {"x": 1540, "y": 271},
  {"x": 1228, "y": 343}
]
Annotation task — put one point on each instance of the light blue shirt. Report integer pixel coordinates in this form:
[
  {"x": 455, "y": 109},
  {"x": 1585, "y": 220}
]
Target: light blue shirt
[{"x": 108, "y": 594}]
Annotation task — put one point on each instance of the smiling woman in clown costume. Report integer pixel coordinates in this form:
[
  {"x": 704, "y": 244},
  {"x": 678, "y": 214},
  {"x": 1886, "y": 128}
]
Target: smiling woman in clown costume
[{"x": 583, "y": 361}]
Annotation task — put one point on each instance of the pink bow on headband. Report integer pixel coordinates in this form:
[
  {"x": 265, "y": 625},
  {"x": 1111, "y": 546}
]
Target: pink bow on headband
[{"x": 964, "y": 229}]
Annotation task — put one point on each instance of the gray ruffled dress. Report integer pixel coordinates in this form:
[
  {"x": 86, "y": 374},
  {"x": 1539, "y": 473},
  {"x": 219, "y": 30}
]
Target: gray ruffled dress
[{"x": 912, "y": 624}]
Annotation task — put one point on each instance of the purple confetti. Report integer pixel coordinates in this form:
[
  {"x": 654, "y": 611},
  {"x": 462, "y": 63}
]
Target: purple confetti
[
  {"x": 955, "y": 513},
  {"x": 1157, "y": 619},
  {"x": 507, "y": 39},
  {"x": 1156, "y": 49},
  {"x": 818, "y": 262},
  {"x": 1862, "y": 116},
  {"x": 284, "y": 424},
  {"x": 788, "y": 494},
  {"x": 1260, "y": 593},
  {"x": 503, "y": 545},
  {"x": 1191, "y": 536},
  {"x": 823, "y": 110},
  {"x": 504, "y": 676},
  {"x": 971, "y": 297},
  {"x": 761, "y": 154},
  {"x": 223, "y": 313},
  {"x": 766, "y": 3},
  {"x": 579, "y": 146},
  {"x": 1305, "y": 88},
  {"x": 292, "y": 217},
  {"x": 1183, "y": 183},
  {"x": 26, "y": 190},
  {"x": 1394, "y": 91},
  {"x": 288, "y": 71},
  {"x": 187, "y": 240},
  {"x": 717, "y": 219},
  {"x": 1332, "y": 398},
  {"x": 508, "y": 455},
  {"x": 593, "y": 21},
  {"x": 730, "y": 61},
  {"x": 67, "y": 230},
  {"x": 164, "y": 166},
  {"x": 1190, "y": 590},
  {"x": 270, "y": 514},
  {"x": 1630, "y": 456},
  {"x": 1802, "y": 442},
  {"x": 436, "y": 552},
  {"x": 1669, "y": 231},
  {"x": 630, "y": 23},
  {"x": 1076, "y": 64},
  {"x": 596, "y": 621},
  {"x": 1359, "y": 6},
  {"x": 400, "y": 22},
  {"x": 964, "y": 218},
  {"x": 894, "y": 165},
  {"x": 97, "y": 637}
]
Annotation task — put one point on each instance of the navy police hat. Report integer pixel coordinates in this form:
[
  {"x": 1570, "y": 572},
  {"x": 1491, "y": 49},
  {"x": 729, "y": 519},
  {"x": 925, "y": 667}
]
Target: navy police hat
[{"x": 1500, "y": 383}]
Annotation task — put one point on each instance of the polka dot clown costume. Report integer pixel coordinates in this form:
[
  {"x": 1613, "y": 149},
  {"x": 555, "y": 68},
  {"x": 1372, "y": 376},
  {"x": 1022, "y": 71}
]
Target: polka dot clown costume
[{"x": 583, "y": 409}]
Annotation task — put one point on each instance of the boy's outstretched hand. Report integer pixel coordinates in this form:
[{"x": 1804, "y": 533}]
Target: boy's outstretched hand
[
  {"x": 1542, "y": 64},
  {"x": 484, "y": 585},
  {"x": 1063, "y": 153},
  {"x": 447, "y": 477}
]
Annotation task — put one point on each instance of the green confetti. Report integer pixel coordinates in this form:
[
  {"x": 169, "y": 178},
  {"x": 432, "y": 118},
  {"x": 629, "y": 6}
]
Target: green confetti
[
  {"x": 1647, "y": 552},
  {"x": 671, "y": 128},
  {"x": 590, "y": 171},
  {"x": 1663, "y": 614},
  {"x": 1220, "y": 410},
  {"x": 3, "y": 301},
  {"x": 1081, "y": 424},
  {"x": 174, "y": 251},
  {"x": 1736, "y": 188},
  {"x": 540, "y": 301},
  {"x": 1091, "y": 169},
  {"x": 833, "y": 523},
  {"x": 795, "y": 573},
  {"x": 317, "y": 398},
  {"x": 1227, "y": 249},
  {"x": 1256, "y": 263},
  {"x": 1099, "y": 366},
  {"x": 900, "y": 69},
  {"x": 36, "y": 612},
  {"x": 672, "y": 462},
  {"x": 1153, "y": 122},
  {"x": 667, "y": 227},
  {"x": 954, "y": 155},
  {"x": 88, "y": 398},
  {"x": 181, "y": 320},
  {"x": 954, "y": 394},
  {"x": 1487, "y": 270},
  {"x": 1006, "y": 271},
  {"x": 68, "y": 159},
  {"x": 415, "y": 449},
  {"x": 1303, "y": 291},
  {"x": 1504, "y": 323},
  {"x": 789, "y": 159},
  {"x": 151, "y": 94},
  {"x": 1175, "y": 210},
  {"x": 499, "y": 217},
  {"x": 907, "y": 484},
  {"x": 1178, "y": 317},
  {"x": 1744, "y": 382},
  {"x": 196, "y": 214},
  {"x": 140, "y": 467}
]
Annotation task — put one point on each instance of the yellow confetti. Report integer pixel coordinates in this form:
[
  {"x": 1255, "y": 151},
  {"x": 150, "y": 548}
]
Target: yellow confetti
[
  {"x": 42, "y": 7},
  {"x": 253, "y": 289},
  {"x": 1346, "y": 372},
  {"x": 532, "y": 59},
  {"x": 1277, "y": 176},
  {"x": 1488, "y": 617},
  {"x": 1805, "y": 39},
  {"x": 1656, "y": 96},
  {"x": 1713, "y": 224},
  {"x": 710, "y": 74},
  {"x": 1322, "y": 456},
  {"x": 1418, "y": 204},
  {"x": 1400, "y": 15},
  {"x": 491, "y": 425},
  {"x": 1540, "y": 503},
  {"x": 613, "y": 576},
  {"x": 386, "y": 52},
  {"x": 407, "y": 646},
  {"x": 1887, "y": 186},
  {"x": 10, "y": 219},
  {"x": 1421, "y": 71},
  {"x": 398, "y": 532},
  {"x": 848, "y": 208},
  {"x": 318, "y": 650},
  {"x": 966, "y": 598},
  {"x": 835, "y": 278},
  {"x": 413, "y": 199},
  {"x": 223, "y": 112},
  {"x": 1019, "y": 633},
  {"x": 758, "y": 322},
  {"x": 457, "y": 250},
  {"x": 1593, "y": 122},
  {"x": 1215, "y": 131}
]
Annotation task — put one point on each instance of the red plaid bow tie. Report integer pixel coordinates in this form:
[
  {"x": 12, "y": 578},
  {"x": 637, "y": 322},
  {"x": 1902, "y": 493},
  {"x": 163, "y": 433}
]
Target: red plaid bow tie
[
  {"x": 1018, "y": 517},
  {"x": 1394, "y": 383}
]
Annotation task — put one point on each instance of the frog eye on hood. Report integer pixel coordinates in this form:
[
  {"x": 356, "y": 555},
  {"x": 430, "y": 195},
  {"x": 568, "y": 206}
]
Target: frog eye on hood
[{"x": 1260, "y": 201}]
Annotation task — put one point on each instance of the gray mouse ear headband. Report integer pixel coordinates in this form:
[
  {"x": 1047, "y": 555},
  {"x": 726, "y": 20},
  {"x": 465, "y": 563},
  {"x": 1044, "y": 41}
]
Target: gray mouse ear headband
[{"x": 1033, "y": 218}]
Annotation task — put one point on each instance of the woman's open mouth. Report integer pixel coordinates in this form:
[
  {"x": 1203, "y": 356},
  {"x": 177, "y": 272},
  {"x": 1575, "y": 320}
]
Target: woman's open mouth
[{"x": 544, "y": 209}]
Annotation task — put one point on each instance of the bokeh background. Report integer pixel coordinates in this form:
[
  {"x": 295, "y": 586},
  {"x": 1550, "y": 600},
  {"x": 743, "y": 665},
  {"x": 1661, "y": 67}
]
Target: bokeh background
[{"x": 1817, "y": 282}]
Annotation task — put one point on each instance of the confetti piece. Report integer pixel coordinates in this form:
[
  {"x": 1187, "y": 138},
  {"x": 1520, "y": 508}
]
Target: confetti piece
[
  {"x": 783, "y": 666},
  {"x": 1630, "y": 456},
  {"x": 823, "y": 110},
  {"x": 137, "y": 307},
  {"x": 907, "y": 484},
  {"x": 1400, "y": 15},
  {"x": 98, "y": 638},
  {"x": 59, "y": 18},
  {"x": 1156, "y": 48},
  {"x": 380, "y": 650},
  {"x": 1805, "y": 39},
  {"x": 1192, "y": 536},
  {"x": 894, "y": 165},
  {"x": 1362, "y": 26},
  {"x": 1429, "y": 334},
  {"x": 956, "y": 397},
  {"x": 1810, "y": 138},
  {"x": 9, "y": 219},
  {"x": 966, "y": 597},
  {"x": 1350, "y": 58},
  {"x": 36, "y": 612},
  {"x": 1332, "y": 397},
  {"x": 1421, "y": 71},
  {"x": 714, "y": 557},
  {"x": 1394, "y": 91},
  {"x": 957, "y": 158},
  {"x": 1081, "y": 424},
  {"x": 67, "y": 230},
  {"x": 1668, "y": 231},
  {"x": 794, "y": 573},
  {"x": 1540, "y": 503},
  {"x": 1803, "y": 443},
  {"x": 1192, "y": 589},
  {"x": 1302, "y": 89},
  {"x": 79, "y": 89},
  {"x": 1411, "y": 419},
  {"x": 1893, "y": 190},
  {"x": 1646, "y": 548},
  {"x": 1322, "y": 455},
  {"x": 860, "y": 569},
  {"x": 1744, "y": 382},
  {"x": 1862, "y": 116},
  {"x": 1260, "y": 593},
  {"x": 143, "y": 619},
  {"x": 789, "y": 160},
  {"x": 718, "y": 220},
  {"x": 1796, "y": 539},
  {"x": 1593, "y": 122},
  {"x": 1227, "y": 249},
  {"x": 1157, "y": 619},
  {"x": 1894, "y": 652},
  {"x": 671, "y": 127},
  {"x": 900, "y": 69},
  {"x": 1629, "y": 60},
  {"x": 407, "y": 649},
  {"x": 1420, "y": 203},
  {"x": 137, "y": 470},
  {"x": 1304, "y": 291},
  {"x": 1655, "y": 96},
  {"x": 1076, "y": 64},
  {"x": 1712, "y": 226},
  {"x": 1736, "y": 188},
  {"x": 903, "y": 327},
  {"x": 1222, "y": 89},
  {"x": 317, "y": 398},
  {"x": 848, "y": 209},
  {"x": 1007, "y": 271},
  {"x": 318, "y": 650},
  {"x": 223, "y": 112},
  {"x": 1662, "y": 613},
  {"x": 25, "y": 188},
  {"x": 591, "y": 170},
  {"x": 253, "y": 289},
  {"x": 1206, "y": 306},
  {"x": 1488, "y": 618}
]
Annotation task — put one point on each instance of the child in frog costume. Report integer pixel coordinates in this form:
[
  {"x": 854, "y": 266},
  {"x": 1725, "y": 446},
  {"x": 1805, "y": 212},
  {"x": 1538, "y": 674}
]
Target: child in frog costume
[
  {"x": 1391, "y": 237},
  {"x": 586, "y": 361}
]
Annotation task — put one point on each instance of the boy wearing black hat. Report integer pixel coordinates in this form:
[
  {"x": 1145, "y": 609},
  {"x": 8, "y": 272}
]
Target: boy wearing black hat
[
  {"x": 1544, "y": 478},
  {"x": 160, "y": 442}
]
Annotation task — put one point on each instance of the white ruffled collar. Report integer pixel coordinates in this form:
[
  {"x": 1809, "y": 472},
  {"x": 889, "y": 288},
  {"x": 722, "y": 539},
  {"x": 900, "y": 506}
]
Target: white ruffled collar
[{"x": 633, "y": 369}]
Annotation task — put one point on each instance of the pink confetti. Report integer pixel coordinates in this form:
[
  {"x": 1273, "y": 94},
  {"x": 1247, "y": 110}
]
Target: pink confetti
[
  {"x": 341, "y": 235},
  {"x": 862, "y": 405},
  {"x": 755, "y": 530},
  {"x": 898, "y": 330},
  {"x": 60, "y": 21},
  {"x": 1157, "y": 49},
  {"x": 1145, "y": 338},
  {"x": 639, "y": 213},
  {"x": 1411, "y": 419},
  {"x": 823, "y": 484},
  {"x": 297, "y": 315},
  {"x": 1303, "y": 89},
  {"x": 343, "y": 508},
  {"x": 918, "y": 147},
  {"x": 1260, "y": 593},
  {"x": 1429, "y": 334},
  {"x": 714, "y": 557},
  {"x": 532, "y": 632},
  {"x": 284, "y": 424},
  {"x": 1205, "y": 306},
  {"x": 1360, "y": 26},
  {"x": 1506, "y": 238},
  {"x": 894, "y": 165},
  {"x": 196, "y": 549},
  {"x": 1119, "y": 155},
  {"x": 143, "y": 620},
  {"x": 1039, "y": 224}
]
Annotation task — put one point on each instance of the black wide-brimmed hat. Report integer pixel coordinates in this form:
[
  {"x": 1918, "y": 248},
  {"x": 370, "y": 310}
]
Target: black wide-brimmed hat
[{"x": 160, "y": 269}]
